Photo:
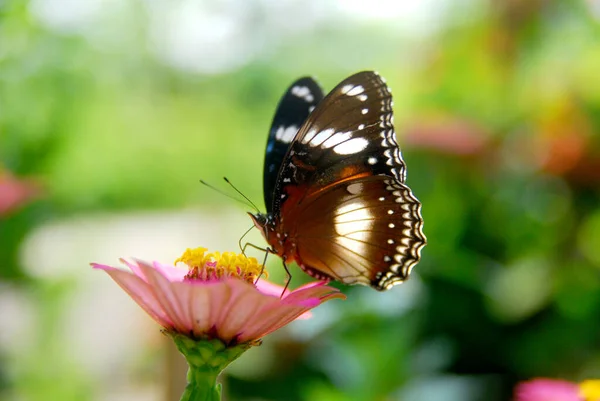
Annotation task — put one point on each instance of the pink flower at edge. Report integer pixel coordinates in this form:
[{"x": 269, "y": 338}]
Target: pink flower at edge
[
  {"x": 547, "y": 390},
  {"x": 220, "y": 305},
  {"x": 557, "y": 390},
  {"x": 15, "y": 192}
]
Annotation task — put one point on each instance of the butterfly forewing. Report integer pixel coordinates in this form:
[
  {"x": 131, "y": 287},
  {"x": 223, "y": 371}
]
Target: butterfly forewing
[
  {"x": 293, "y": 109},
  {"x": 350, "y": 132}
]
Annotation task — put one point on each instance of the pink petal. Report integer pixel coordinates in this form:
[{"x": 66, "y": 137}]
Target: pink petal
[
  {"x": 172, "y": 273},
  {"x": 202, "y": 308},
  {"x": 547, "y": 390},
  {"x": 313, "y": 284},
  {"x": 135, "y": 268},
  {"x": 279, "y": 314},
  {"x": 293, "y": 306},
  {"x": 269, "y": 288},
  {"x": 301, "y": 304},
  {"x": 322, "y": 292},
  {"x": 173, "y": 297},
  {"x": 219, "y": 295},
  {"x": 309, "y": 303},
  {"x": 244, "y": 307},
  {"x": 270, "y": 320},
  {"x": 140, "y": 291}
]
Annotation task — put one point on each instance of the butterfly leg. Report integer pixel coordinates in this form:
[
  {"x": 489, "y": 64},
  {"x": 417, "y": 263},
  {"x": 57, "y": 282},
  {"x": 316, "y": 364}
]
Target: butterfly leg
[
  {"x": 267, "y": 251},
  {"x": 289, "y": 278},
  {"x": 243, "y": 249},
  {"x": 249, "y": 244},
  {"x": 264, "y": 263}
]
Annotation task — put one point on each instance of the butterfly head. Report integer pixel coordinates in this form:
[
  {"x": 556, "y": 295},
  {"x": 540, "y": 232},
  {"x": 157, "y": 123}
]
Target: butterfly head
[
  {"x": 268, "y": 228},
  {"x": 264, "y": 223},
  {"x": 260, "y": 220}
]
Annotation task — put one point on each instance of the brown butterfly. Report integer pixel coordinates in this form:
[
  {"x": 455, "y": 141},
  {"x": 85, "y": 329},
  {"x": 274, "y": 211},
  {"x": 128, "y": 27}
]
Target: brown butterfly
[{"x": 334, "y": 185}]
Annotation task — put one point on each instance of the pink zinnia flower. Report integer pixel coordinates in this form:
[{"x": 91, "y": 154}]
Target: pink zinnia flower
[
  {"x": 216, "y": 297},
  {"x": 215, "y": 309},
  {"x": 557, "y": 390}
]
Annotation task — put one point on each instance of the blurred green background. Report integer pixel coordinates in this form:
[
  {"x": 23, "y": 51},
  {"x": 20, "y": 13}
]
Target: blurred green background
[{"x": 113, "y": 110}]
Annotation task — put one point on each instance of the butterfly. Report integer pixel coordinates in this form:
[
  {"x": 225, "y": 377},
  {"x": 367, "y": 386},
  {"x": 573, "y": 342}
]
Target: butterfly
[{"x": 335, "y": 185}]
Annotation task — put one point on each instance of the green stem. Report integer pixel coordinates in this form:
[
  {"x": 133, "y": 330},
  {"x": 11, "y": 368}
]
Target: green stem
[
  {"x": 202, "y": 386},
  {"x": 206, "y": 360}
]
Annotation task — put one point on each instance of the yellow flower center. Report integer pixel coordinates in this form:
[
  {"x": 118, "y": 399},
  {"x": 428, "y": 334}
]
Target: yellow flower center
[
  {"x": 217, "y": 266},
  {"x": 589, "y": 390}
]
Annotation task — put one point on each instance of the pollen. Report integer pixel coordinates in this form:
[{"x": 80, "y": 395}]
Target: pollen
[
  {"x": 589, "y": 390},
  {"x": 218, "y": 266}
]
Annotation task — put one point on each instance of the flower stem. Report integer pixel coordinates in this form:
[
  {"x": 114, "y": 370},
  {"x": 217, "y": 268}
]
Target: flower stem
[
  {"x": 202, "y": 386},
  {"x": 206, "y": 360}
]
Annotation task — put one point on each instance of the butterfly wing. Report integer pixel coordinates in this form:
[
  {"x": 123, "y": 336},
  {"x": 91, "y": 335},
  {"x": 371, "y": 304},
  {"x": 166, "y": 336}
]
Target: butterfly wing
[
  {"x": 293, "y": 109},
  {"x": 363, "y": 231},
  {"x": 346, "y": 155},
  {"x": 349, "y": 133}
]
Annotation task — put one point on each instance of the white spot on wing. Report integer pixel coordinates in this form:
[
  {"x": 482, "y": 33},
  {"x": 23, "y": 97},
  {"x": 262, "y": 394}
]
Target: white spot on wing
[
  {"x": 321, "y": 137},
  {"x": 351, "y": 213},
  {"x": 353, "y": 223},
  {"x": 357, "y": 90},
  {"x": 352, "y": 146},
  {"x": 309, "y": 136},
  {"x": 303, "y": 92},
  {"x": 347, "y": 88},
  {"x": 286, "y": 135},
  {"x": 364, "y": 111},
  {"x": 337, "y": 139},
  {"x": 372, "y": 160}
]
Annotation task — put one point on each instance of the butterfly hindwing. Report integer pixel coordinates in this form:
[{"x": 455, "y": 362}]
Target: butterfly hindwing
[
  {"x": 367, "y": 230},
  {"x": 293, "y": 109}
]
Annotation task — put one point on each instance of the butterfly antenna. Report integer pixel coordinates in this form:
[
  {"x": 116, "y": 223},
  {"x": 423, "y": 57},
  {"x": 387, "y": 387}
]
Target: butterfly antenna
[
  {"x": 240, "y": 192},
  {"x": 227, "y": 195}
]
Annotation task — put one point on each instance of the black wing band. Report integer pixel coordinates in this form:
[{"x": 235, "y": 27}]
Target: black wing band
[{"x": 294, "y": 108}]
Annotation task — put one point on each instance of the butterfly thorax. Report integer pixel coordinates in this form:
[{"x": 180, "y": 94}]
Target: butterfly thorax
[{"x": 280, "y": 242}]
